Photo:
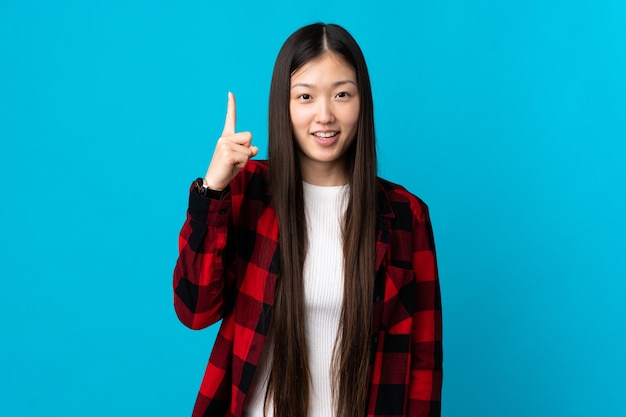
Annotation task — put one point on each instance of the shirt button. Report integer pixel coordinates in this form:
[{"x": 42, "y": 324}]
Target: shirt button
[
  {"x": 222, "y": 211},
  {"x": 218, "y": 253},
  {"x": 378, "y": 298},
  {"x": 375, "y": 339}
]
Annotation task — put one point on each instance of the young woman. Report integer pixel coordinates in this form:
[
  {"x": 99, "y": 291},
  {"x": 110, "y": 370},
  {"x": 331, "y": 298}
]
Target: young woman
[{"x": 324, "y": 275}]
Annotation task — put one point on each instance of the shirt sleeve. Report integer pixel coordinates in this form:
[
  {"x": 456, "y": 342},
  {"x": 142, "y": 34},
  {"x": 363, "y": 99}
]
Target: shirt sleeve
[
  {"x": 201, "y": 281},
  {"x": 426, "y": 345}
]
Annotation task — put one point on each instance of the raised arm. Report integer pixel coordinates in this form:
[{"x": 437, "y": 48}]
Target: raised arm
[{"x": 202, "y": 279}]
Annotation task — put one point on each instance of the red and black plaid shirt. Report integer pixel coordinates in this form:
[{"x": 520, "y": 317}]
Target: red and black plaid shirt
[{"x": 227, "y": 269}]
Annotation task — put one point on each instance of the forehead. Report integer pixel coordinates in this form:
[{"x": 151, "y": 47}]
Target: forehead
[{"x": 328, "y": 67}]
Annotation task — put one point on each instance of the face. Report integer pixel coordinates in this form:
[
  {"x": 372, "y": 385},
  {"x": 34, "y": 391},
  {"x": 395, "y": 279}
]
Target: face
[{"x": 324, "y": 110}]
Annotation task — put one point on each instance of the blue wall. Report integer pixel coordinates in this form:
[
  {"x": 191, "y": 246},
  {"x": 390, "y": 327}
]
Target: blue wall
[{"x": 508, "y": 118}]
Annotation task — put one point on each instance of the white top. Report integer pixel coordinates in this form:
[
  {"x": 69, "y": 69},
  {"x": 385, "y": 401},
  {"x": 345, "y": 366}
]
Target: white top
[{"x": 323, "y": 293}]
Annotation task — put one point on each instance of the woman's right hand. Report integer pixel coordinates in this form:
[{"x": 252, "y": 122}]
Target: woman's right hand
[{"x": 232, "y": 151}]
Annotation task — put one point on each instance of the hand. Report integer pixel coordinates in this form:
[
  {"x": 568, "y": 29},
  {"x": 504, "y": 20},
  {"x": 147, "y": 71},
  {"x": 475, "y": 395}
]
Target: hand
[{"x": 232, "y": 151}]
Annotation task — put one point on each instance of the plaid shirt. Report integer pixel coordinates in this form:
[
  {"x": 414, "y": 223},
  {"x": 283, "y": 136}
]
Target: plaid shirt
[{"x": 227, "y": 269}]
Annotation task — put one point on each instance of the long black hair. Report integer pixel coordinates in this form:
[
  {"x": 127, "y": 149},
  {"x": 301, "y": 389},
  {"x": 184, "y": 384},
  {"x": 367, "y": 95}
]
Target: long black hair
[{"x": 290, "y": 377}]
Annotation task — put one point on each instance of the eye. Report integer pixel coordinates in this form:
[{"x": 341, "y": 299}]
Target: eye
[
  {"x": 304, "y": 97},
  {"x": 343, "y": 94}
]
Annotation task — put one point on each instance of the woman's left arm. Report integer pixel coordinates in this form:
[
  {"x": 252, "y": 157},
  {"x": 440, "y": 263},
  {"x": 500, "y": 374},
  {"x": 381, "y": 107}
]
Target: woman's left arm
[{"x": 426, "y": 345}]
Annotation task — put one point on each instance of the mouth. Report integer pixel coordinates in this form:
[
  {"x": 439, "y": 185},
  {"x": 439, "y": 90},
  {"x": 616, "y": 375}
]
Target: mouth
[{"x": 327, "y": 135}]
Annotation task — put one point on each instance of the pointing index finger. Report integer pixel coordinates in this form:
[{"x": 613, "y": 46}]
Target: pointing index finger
[{"x": 231, "y": 116}]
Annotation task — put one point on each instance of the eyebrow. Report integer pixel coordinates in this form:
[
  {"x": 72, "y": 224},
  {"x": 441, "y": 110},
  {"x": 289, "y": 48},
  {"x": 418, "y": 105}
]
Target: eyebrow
[{"x": 337, "y": 84}]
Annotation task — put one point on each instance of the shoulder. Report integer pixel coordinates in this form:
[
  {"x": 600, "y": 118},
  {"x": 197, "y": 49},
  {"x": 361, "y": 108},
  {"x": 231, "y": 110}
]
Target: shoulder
[
  {"x": 255, "y": 168},
  {"x": 253, "y": 179},
  {"x": 400, "y": 202}
]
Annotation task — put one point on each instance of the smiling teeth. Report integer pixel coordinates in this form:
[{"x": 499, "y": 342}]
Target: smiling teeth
[{"x": 325, "y": 134}]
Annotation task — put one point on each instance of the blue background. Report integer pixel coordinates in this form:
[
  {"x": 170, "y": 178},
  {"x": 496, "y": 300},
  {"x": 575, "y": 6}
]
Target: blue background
[{"x": 508, "y": 118}]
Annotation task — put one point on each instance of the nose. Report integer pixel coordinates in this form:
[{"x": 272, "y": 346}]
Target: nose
[{"x": 325, "y": 112}]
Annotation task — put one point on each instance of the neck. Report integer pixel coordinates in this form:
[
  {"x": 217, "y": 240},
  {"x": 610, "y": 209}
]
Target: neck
[{"x": 324, "y": 174}]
